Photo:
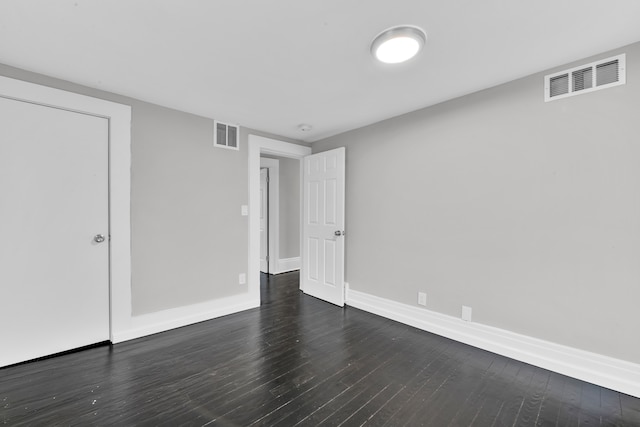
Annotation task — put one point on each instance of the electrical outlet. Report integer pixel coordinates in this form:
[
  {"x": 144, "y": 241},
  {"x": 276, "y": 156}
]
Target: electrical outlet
[
  {"x": 466, "y": 313},
  {"x": 242, "y": 278},
  {"x": 244, "y": 210},
  {"x": 422, "y": 298}
]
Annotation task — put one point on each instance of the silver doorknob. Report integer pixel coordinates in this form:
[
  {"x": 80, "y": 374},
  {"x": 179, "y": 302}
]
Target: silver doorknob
[
  {"x": 99, "y": 238},
  {"x": 338, "y": 233}
]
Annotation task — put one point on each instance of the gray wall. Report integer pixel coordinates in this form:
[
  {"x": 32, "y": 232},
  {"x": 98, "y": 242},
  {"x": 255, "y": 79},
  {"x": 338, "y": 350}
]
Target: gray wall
[
  {"x": 529, "y": 212},
  {"x": 189, "y": 241},
  {"x": 289, "y": 208}
]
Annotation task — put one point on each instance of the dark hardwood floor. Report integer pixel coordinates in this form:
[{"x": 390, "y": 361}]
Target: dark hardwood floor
[{"x": 298, "y": 360}]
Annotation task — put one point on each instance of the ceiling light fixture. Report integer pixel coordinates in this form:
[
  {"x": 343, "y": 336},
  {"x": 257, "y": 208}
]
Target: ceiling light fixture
[{"x": 398, "y": 44}]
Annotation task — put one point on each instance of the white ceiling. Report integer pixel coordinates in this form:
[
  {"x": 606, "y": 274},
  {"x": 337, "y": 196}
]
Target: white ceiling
[{"x": 274, "y": 64}]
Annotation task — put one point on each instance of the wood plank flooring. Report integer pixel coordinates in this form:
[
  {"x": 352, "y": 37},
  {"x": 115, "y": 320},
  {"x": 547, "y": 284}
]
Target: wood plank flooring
[{"x": 299, "y": 361}]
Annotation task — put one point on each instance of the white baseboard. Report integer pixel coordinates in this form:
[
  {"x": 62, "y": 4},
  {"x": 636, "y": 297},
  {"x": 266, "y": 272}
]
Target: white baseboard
[
  {"x": 602, "y": 370},
  {"x": 153, "y": 323},
  {"x": 287, "y": 264}
]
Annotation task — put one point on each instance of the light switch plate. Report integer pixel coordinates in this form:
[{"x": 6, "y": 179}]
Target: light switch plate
[{"x": 244, "y": 210}]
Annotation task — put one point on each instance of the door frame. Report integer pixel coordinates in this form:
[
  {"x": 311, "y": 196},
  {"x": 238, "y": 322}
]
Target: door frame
[
  {"x": 261, "y": 145},
  {"x": 273, "y": 215},
  {"x": 119, "y": 119}
]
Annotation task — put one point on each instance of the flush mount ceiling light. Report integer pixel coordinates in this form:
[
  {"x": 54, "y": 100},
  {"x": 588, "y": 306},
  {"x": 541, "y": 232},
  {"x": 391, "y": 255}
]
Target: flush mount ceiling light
[{"x": 398, "y": 44}]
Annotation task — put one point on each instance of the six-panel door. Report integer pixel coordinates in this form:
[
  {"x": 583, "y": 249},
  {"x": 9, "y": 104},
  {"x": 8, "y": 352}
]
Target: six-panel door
[{"x": 322, "y": 273}]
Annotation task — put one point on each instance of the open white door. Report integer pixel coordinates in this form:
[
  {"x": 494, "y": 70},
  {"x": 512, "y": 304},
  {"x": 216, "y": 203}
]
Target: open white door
[{"x": 322, "y": 272}]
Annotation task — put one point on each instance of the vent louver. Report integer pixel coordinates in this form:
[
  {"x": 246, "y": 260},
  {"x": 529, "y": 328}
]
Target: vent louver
[
  {"x": 559, "y": 85},
  {"x": 585, "y": 78},
  {"x": 608, "y": 72},
  {"x": 225, "y": 135}
]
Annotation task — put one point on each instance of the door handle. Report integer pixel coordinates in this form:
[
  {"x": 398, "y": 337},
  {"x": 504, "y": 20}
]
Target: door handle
[
  {"x": 338, "y": 233},
  {"x": 98, "y": 238}
]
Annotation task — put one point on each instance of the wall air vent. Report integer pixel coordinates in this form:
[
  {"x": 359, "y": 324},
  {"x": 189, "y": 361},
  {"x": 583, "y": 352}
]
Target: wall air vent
[
  {"x": 585, "y": 78},
  {"x": 225, "y": 135}
]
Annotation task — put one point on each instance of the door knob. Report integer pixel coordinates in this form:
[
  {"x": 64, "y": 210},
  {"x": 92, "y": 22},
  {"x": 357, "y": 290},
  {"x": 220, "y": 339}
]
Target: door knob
[
  {"x": 338, "y": 233},
  {"x": 99, "y": 238}
]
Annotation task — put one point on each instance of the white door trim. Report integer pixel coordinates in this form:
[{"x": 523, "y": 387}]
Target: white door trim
[
  {"x": 119, "y": 117},
  {"x": 274, "y": 212},
  {"x": 258, "y": 145}
]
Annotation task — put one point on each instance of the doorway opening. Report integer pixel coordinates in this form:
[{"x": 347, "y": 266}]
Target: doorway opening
[
  {"x": 266, "y": 147},
  {"x": 280, "y": 207},
  {"x": 264, "y": 218}
]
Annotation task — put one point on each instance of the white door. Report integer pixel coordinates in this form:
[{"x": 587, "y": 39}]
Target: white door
[
  {"x": 264, "y": 220},
  {"x": 322, "y": 272},
  {"x": 54, "y": 268}
]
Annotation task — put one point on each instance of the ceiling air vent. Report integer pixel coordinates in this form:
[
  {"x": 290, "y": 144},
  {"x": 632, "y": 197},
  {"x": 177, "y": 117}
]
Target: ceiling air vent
[
  {"x": 225, "y": 135},
  {"x": 585, "y": 78}
]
